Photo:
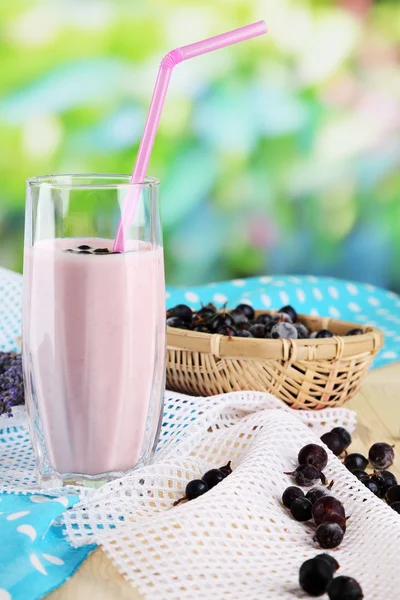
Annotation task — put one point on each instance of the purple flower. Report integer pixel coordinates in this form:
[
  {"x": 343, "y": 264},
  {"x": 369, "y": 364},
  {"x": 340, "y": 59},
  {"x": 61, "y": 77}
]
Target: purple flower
[{"x": 11, "y": 382}]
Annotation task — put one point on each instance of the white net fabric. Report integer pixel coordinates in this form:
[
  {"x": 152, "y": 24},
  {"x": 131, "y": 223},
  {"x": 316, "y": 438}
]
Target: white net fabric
[
  {"x": 237, "y": 541},
  {"x": 17, "y": 460},
  {"x": 10, "y": 310}
]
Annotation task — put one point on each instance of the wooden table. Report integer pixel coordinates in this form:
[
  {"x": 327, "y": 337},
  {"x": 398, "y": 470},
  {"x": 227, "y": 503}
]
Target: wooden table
[{"x": 378, "y": 408}]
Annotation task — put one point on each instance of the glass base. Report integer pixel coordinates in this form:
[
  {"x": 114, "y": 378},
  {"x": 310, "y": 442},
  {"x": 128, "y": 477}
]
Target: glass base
[{"x": 53, "y": 480}]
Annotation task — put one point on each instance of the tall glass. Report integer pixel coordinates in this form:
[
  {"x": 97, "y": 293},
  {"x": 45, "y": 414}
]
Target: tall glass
[{"x": 93, "y": 327}]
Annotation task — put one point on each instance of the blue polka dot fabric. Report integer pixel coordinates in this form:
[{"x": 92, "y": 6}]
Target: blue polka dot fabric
[
  {"x": 35, "y": 557},
  {"x": 320, "y": 296}
]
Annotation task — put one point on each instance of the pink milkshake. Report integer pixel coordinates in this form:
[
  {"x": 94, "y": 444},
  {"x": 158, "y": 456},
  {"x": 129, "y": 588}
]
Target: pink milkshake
[{"x": 94, "y": 345}]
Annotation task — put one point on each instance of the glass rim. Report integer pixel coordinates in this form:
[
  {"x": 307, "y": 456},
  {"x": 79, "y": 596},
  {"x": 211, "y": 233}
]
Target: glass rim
[{"x": 58, "y": 181}]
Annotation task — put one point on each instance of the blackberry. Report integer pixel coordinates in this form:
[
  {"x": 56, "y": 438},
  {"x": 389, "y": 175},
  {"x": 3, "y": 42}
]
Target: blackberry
[
  {"x": 344, "y": 435},
  {"x": 247, "y": 310},
  {"x": 315, "y": 576},
  {"x": 312, "y": 454},
  {"x": 284, "y": 330},
  {"x": 301, "y": 509},
  {"x": 381, "y": 456},
  {"x": 334, "y": 443},
  {"x": 355, "y": 461},
  {"x": 290, "y": 494},
  {"x": 344, "y": 588},
  {"x": 289, "y": 310}
]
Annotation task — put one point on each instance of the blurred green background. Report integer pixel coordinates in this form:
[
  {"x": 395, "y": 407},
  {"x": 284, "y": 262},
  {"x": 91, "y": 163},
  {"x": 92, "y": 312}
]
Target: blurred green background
[{"x": 280, "y": 155}]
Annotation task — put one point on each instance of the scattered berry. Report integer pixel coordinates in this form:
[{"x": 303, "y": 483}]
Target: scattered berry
[
  {"x": 198, "y": 487},
  {"x": 344, "y": 435},
  {"x": 301, "y": 509},
  {"x": 388, "y": 477},
  {"x": 315, "y": 576},
  {"x": 360, "y": 474},
  {"x": 334, "y": 442},
  {"x": 315, "y": 494},
  {"x": 336, "y": 518},
  {"x": 290, "y": 494},
  {"x": 344, "y": 588},
  {"x": 327, "y": 505},
  {"x": 307, "y": 475},
  {"x": 312, "y": 454},
  {"x": 329, "y": 535},
  {"x": 226, "y": 469},
  {"x": 371, "y": 485},
  {"x": 84, "y": 247},
  {"x": 381, "y": 456},
  {"x": 213, "y": 477},
  {"x": 393, "y": 494},
  {"x": 396, "y": 506},
  {"x": 332, "y": 562},
  {"x": 355, "y": 461},
  {"x": 380, "y": 484},
  {"x": 195, "y": 488}
]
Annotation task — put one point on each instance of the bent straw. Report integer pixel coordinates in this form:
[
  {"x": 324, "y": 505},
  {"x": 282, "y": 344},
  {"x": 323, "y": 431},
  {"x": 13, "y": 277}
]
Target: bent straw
[{"x": 157, "y": 102}]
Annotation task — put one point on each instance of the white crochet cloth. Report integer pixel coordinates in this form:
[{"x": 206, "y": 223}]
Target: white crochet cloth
[{"x": 237, "y": 541}]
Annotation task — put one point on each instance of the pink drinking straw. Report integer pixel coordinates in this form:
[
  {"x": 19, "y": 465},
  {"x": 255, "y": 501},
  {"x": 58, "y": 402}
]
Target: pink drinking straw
[{"x": 157, "y": 102}]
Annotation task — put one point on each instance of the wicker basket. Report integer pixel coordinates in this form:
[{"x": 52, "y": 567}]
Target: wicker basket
[{"x": 306, "y": 374}]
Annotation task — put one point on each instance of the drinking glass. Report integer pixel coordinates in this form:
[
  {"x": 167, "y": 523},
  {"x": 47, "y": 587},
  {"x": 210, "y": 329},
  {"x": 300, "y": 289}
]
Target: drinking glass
[{"x": 93, "y": 327}]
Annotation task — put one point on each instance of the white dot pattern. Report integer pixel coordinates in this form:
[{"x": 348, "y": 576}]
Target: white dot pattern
[
  {"x": 266, "y": 300},
  {"x": 333, "y": 292},
  {"x": 192, "y": 297},
  {"x": 334, "y": 312},
  {"x": 284, "y": 298},
  {"x": 220, "y": 298},
  {"x": 300, "y": 295}
]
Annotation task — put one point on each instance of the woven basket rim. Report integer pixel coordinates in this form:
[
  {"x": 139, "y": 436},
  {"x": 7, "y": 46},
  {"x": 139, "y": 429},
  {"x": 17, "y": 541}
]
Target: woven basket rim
[{"x": 334, "y": 348}]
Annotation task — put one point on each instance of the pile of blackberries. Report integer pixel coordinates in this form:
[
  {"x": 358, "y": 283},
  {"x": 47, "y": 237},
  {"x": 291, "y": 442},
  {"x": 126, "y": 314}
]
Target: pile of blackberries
[
  {"x": 318, "y": 503},
  {"x": 317, "y": 577},
  {"x": 380, "y": 481},
  {"x": 198, "y": 487},
  {"x": 242, "y": 322}
]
